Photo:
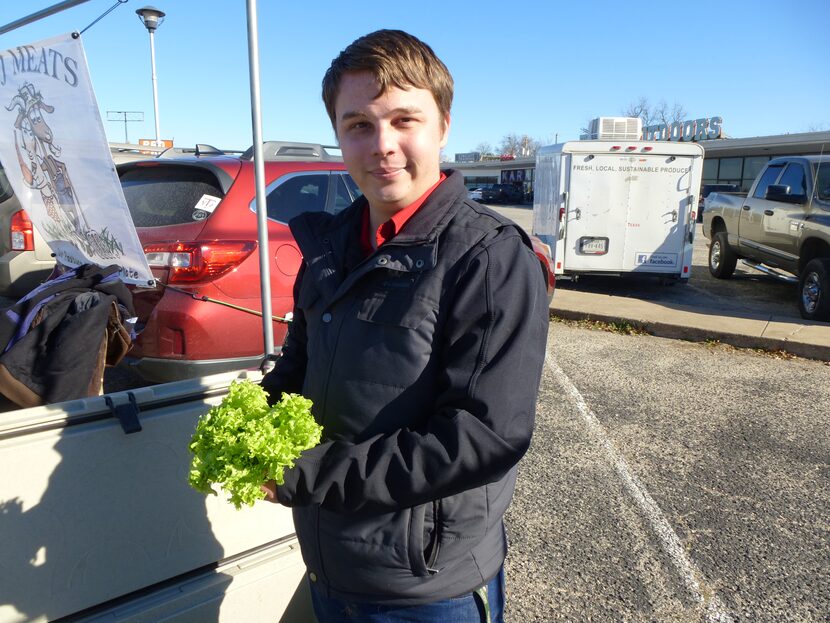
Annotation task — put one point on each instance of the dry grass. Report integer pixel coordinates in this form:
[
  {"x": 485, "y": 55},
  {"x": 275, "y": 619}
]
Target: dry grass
[{"x": 628, "y": 328}]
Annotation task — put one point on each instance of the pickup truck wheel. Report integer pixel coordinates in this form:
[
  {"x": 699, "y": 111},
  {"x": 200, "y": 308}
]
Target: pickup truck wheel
[
  {"x": 722, "y": 259},
  {"x": 814, "y": 290}
]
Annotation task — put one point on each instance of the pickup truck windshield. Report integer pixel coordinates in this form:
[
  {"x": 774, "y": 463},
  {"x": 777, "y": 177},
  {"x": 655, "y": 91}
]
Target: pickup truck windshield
[{"x": 823, "y": 181}]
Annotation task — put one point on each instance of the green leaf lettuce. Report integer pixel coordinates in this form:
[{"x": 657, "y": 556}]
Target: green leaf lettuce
[{"x": 242, "y": 443}]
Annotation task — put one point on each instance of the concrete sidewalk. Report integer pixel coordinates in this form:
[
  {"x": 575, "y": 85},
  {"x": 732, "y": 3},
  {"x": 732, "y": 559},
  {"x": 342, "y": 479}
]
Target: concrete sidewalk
[{"x": 697, "y": 322}]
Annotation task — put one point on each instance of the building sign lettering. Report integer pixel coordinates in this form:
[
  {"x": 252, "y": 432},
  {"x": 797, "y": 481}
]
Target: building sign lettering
[
  {"x": 470, "y": 156},
  {"x": 703, "y": 129}
]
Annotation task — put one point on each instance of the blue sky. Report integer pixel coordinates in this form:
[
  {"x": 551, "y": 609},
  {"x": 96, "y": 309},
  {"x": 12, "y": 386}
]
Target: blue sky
[{"x": 542, "y": 68}]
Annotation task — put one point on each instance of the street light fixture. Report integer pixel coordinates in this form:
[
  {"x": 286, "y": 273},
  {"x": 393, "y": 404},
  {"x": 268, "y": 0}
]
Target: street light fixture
[{"x": 152, "y": 18}]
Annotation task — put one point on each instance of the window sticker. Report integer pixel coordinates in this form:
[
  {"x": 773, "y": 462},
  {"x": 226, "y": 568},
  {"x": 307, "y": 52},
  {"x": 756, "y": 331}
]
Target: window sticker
[
  {"x": 207, "y": 203},
  {"x": 204, "y": 207}
]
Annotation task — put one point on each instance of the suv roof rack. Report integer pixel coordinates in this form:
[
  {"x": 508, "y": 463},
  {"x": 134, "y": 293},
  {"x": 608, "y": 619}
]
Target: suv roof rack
[
  {"x": 201, "y": 149},
  {"x": 285, "y": 150}
]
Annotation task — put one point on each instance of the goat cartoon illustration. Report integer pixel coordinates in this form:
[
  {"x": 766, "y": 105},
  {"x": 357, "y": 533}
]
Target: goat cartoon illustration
[{"x": 38, "y": 158}]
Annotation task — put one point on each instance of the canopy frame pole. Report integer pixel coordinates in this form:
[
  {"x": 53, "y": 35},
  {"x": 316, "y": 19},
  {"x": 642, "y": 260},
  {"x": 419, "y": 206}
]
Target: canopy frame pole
[
  {"x": 259, "y": 172},
  {"x": 55, "y": 8}
]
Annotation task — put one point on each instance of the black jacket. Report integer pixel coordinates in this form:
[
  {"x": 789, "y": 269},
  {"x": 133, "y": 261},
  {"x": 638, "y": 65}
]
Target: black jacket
[
  {"x": 423, "y": 362},
  {"x": 56, "y": 340}
]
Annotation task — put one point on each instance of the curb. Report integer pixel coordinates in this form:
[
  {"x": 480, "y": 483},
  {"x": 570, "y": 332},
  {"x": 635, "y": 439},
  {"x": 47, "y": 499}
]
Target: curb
[{"x": 695, "y": 334}]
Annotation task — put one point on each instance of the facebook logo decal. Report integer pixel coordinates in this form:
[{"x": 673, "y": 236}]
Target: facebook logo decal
[{"x": 665, "y": 260}]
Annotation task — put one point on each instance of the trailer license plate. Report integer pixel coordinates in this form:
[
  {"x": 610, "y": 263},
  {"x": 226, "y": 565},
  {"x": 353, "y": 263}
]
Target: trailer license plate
[{"x": 593, "y": 246}]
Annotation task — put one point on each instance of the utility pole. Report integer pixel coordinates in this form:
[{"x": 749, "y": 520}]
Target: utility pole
[{"x": 125, "y": 116}]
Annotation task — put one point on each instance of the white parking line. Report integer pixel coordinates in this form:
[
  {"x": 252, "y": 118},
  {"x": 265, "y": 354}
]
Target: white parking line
[{"x": 669, "y": 541}]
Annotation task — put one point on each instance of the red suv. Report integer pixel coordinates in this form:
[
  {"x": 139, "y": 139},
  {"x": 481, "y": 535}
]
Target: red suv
[{"x": 196, "y": 218}]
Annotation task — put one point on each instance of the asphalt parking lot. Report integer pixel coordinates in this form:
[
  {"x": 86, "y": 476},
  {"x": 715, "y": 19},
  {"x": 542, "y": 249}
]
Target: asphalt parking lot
[{"x": 672, "y": 481}]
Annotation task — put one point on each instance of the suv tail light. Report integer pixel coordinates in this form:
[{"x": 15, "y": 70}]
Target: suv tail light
[
  {"x": 191, "y": 262},
  {"x": 21, "y": 231}
]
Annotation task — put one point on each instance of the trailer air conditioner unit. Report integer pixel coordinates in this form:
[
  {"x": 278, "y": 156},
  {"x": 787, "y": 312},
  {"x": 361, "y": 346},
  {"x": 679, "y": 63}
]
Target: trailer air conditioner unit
[{"x": 616, "y": 129}]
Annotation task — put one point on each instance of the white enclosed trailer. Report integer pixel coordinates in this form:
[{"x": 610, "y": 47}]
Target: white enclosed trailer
[{"x": 618, "y": 206}]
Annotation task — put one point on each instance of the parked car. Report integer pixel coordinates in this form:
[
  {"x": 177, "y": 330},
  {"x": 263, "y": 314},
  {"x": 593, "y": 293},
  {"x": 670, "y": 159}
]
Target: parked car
[
  {"x": 25, "y": 258},
  {"x": 781, "y": 227},
  {"x": 708, "y": 189},
  {"x": 500, "y": 193},
  {"x": 196, "y": 219},
  {"x": 543, "y": 252},
  {"x": 474, "y": 194}
]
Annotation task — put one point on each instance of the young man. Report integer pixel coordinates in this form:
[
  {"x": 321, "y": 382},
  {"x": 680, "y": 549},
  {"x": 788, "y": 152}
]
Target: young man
[{"x": 419, "y": 334}]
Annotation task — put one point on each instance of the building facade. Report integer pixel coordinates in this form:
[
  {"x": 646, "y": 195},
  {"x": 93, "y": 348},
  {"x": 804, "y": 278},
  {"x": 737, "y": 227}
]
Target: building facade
[{"x": 727, "y": 161}]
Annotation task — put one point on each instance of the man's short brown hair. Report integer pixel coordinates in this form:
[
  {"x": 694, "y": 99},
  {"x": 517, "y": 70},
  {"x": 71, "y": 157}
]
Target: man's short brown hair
[{"x": 396, "y": 59}]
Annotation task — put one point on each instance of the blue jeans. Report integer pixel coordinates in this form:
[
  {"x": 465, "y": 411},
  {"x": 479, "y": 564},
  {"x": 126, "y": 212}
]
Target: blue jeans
[{"x": 467, "y": 608}]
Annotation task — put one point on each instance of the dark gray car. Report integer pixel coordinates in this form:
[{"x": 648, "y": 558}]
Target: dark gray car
[{"x": 25, "y": 258}]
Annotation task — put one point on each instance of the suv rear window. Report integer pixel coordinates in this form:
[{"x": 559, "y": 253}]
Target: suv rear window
[{"x": 168, "y": 195}]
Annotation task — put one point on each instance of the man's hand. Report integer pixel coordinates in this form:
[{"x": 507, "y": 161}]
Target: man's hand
[{"x": 270, "y": 489}]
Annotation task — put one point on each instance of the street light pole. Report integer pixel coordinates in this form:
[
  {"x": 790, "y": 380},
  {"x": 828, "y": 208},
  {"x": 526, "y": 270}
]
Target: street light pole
[
  {"x": 155, "y": 86},
  {"x": 152, "y": 18}
]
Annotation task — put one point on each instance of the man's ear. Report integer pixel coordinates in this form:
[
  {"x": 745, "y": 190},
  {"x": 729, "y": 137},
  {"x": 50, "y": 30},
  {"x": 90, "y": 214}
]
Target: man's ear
[{"x": 446, "y": 133}]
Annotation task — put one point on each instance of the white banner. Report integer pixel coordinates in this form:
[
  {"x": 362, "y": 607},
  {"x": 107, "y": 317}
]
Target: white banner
[{"x": 56, "y": 156}]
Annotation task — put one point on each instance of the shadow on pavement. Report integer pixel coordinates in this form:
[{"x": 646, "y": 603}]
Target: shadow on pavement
[{"x": 748, "y": 294}]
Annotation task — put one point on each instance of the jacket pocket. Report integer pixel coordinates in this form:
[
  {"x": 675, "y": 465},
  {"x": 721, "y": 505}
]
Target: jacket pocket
[
  {"x": 424, "y": 538},
  {"x": 363, "y": 552},
  {"x": 461, "y": 522},
  {"x": 395, "y": 309}
]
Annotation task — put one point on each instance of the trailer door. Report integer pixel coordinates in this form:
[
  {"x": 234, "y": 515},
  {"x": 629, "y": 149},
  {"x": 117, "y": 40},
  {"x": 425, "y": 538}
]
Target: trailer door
[
  {"x": 596, "y": 212},
  {"x": 659, "y": 204}
]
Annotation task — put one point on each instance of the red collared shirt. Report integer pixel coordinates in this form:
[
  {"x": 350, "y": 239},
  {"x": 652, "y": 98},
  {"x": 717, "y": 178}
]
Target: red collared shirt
[{"x": 393, "y": 226}]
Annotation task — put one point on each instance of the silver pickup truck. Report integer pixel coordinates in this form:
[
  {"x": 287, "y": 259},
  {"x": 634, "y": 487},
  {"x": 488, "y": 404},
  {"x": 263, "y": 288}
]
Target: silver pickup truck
[{"x": 781, "y": 226}]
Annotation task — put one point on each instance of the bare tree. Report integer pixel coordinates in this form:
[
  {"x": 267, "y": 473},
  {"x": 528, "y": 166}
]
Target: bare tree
[
  {"x": 484, "y": 148},
  {"x": 510, "y": 145},
  {"x": 642, "y": 109},
  {"x": 519, "y": 146},
  {"x": 661, "y": 113},
  {"x": 530, "y": 145},
  {"x": 585, "y": 130}
]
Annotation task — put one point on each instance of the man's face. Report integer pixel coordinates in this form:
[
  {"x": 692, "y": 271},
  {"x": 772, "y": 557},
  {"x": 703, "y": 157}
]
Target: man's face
[{"x": 391, "y": 145}]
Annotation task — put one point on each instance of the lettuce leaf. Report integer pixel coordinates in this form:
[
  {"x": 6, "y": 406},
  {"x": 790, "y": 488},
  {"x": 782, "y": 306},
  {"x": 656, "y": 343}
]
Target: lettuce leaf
[{"x": 242, "y": 443}]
